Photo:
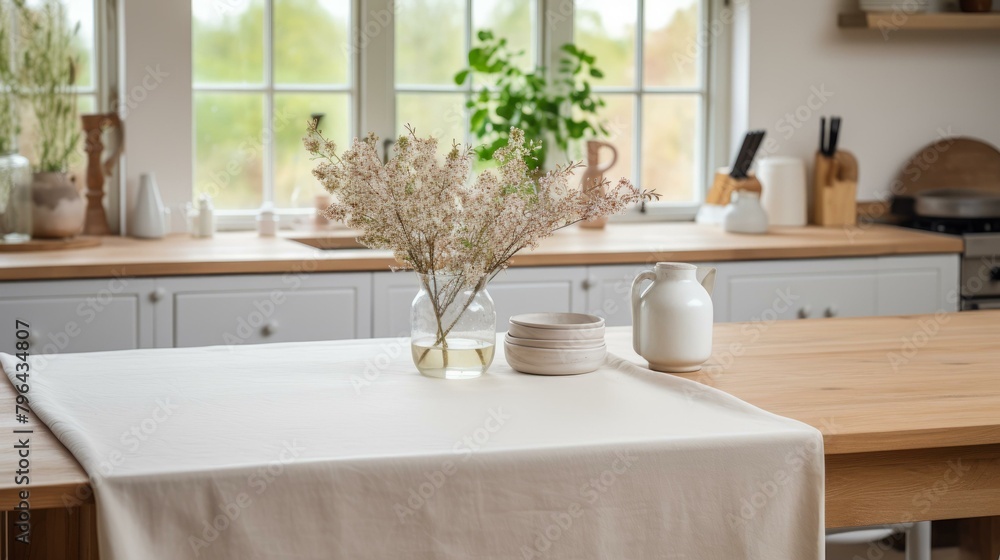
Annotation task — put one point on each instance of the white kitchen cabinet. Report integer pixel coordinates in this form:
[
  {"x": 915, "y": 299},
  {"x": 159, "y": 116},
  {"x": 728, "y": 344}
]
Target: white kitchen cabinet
[
  {"x": 78, "y": 315},
  {"x": 514, "y": 291},
  {"x": 234, "y": 310},
  {"x": 816, "y": 288}
]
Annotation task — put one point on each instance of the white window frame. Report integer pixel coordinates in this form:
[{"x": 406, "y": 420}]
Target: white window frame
[
  {"x": 555, "y": 28},
  {"x": 373, "y": 92},
  {"x": 246, "y": 219}
]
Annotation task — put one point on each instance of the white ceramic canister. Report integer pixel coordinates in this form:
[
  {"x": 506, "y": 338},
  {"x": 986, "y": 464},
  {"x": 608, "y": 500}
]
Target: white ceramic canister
[{"x": 783, "y": 180}]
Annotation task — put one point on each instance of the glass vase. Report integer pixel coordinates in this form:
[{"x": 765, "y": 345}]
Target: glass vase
[
  {"x": 452, "y": 327},
  {"x": 15, "y": 198}
]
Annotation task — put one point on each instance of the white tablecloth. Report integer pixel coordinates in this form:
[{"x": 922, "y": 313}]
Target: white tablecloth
[{"x": 341, "y": 450}]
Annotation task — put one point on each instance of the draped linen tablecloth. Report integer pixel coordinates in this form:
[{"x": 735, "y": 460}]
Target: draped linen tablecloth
[{"x": 341, "y": 450}]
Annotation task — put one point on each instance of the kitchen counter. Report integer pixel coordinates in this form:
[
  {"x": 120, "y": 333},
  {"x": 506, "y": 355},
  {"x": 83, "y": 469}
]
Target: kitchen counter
[{"x": 246, "y": 253}]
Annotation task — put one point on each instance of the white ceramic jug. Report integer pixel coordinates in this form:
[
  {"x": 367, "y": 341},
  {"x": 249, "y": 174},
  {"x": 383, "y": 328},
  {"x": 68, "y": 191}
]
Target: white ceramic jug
[{"x": 672, "y": 318}]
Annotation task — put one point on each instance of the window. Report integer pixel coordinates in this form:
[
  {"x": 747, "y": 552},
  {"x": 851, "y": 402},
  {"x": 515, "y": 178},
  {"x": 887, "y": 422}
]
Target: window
[
  {"x": 261, "y": 70},
  {"x": 90, "y": 86},
  {"x": 431, "y": 41},
  {"x": 655, "y": 87}
]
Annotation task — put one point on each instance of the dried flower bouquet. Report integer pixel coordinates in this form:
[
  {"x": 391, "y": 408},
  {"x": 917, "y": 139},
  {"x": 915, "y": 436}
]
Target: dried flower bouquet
[{"x": 439, "y": 222}]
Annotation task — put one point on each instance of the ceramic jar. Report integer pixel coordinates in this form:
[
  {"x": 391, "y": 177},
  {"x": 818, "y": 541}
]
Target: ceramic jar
[
  {"x": 672, "y": 318},
  {"x": 58, "y": 208},
  {"x": 745, "y": 214}
]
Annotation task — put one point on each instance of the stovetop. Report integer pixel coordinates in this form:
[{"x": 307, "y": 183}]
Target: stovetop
[{"x": 955, "y": 226}]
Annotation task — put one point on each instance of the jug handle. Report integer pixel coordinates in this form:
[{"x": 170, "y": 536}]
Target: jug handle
[{"x": 636, "y": 296}]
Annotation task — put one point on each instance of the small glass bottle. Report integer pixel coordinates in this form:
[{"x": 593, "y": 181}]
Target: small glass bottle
[{"x": 15, "y": 198}]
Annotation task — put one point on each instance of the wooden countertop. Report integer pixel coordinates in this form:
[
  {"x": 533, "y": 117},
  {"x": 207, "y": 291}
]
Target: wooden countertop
[
  {"x": 869, "y": 384},
  {"x": 843, "y": 376},
  {"x": 245, "y": 253}
]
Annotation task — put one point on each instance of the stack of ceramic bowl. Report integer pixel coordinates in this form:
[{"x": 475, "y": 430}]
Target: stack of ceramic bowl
[{"x": 555, "y": 343}]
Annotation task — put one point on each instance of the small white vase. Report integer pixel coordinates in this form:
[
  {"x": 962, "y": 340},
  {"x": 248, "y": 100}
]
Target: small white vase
[
  {"x": 745, "y": 214},
  {"x": 149, "y": 218}
]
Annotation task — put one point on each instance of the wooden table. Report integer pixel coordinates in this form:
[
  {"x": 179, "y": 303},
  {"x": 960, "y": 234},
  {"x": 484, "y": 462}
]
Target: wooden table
[{"x": 909, "y": 408}]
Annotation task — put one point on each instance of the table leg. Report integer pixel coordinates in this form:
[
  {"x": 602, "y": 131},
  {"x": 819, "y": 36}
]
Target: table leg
[
  {"x": 56, "y": 534},
  {"x": 918, "y": 541},
  {"x": 979, "y": 538}
]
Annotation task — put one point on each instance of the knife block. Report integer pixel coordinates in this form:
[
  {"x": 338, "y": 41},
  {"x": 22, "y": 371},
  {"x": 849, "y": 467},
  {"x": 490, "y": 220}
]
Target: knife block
[
  {"x": 724, "y": 186},
  {"x": 835, "y": 191}
]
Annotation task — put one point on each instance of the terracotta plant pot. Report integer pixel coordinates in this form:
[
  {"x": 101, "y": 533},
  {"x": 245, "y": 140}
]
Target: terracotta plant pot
[
  {"x": 976, "y": 5},
  {"x": 58, "y": 209}
]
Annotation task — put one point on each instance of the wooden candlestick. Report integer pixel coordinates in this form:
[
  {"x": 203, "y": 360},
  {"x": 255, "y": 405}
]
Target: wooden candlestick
[{"x": 94, "y": 126}]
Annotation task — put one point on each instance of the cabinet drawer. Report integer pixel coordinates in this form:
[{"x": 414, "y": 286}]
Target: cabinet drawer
[
  {"x": 251, "y": 317},
  {"x": 73, "y": 323},
  {"x": 838, "y": 294}
]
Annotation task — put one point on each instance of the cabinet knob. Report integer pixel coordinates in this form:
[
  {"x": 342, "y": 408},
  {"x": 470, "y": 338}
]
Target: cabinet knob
[
  {"x": 269, "y": 329},
  {"x": 830, "y": 312},
  {"x": 157, "y": 294},
  {"x": 803, "y": 312},
  {"x": 589, "y": 282}
]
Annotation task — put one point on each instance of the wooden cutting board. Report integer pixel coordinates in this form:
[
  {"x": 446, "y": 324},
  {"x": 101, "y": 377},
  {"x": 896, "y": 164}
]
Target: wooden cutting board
[{"x": 950, "y": 163}]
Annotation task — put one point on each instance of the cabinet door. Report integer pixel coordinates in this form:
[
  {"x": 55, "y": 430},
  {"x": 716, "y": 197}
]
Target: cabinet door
[
  {"x": 514, "y": 291},
  {"x": 797, "y": 289},
  {"x": 234, "y": 310},
  {"x": 918, "y": 284},
  {"x": 78, "y": 315}
]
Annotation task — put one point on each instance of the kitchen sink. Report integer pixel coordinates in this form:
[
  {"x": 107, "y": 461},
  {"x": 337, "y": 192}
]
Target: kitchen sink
[{"x": 331, "y": 242}]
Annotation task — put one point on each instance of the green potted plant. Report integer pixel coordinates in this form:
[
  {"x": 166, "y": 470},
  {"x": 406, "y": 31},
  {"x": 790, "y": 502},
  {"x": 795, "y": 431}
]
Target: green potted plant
[
  {"x": 47, "y": 72},
  {"x": 553, "y": 108}
]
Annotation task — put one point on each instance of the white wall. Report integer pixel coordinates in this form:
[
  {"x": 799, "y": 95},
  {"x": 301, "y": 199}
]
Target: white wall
[
  {"x": 894, "y": 93},
  {"x": 156, "y": 99}
]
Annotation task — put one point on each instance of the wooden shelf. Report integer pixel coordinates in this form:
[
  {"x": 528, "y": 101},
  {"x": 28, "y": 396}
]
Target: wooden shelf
[{"x": 923, "y": 21}]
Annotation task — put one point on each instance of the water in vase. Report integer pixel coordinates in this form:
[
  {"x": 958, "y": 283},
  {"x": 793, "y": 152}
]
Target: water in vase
[{"x": 464, "y": 358}]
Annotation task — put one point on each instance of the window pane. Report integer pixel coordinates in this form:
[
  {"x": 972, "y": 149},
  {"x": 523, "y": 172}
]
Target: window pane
[
  {"x": 619, "y": 115},
  {"x": 669, "y": 146},
  {"x": 82, "y": 12},
  {"x": 229, "y": 145},
  {"x": 228, "y": 41},
  {"x": 294, "y": 184},
  {"x": 430, "y": 41},
  {"x": 607, "y": 30},
  {"x": 441, "y": 115},
  {"x": 312, "y": 41},
  {"x": 671, "y": 51},
  {"x": 511, "y": 19}
]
